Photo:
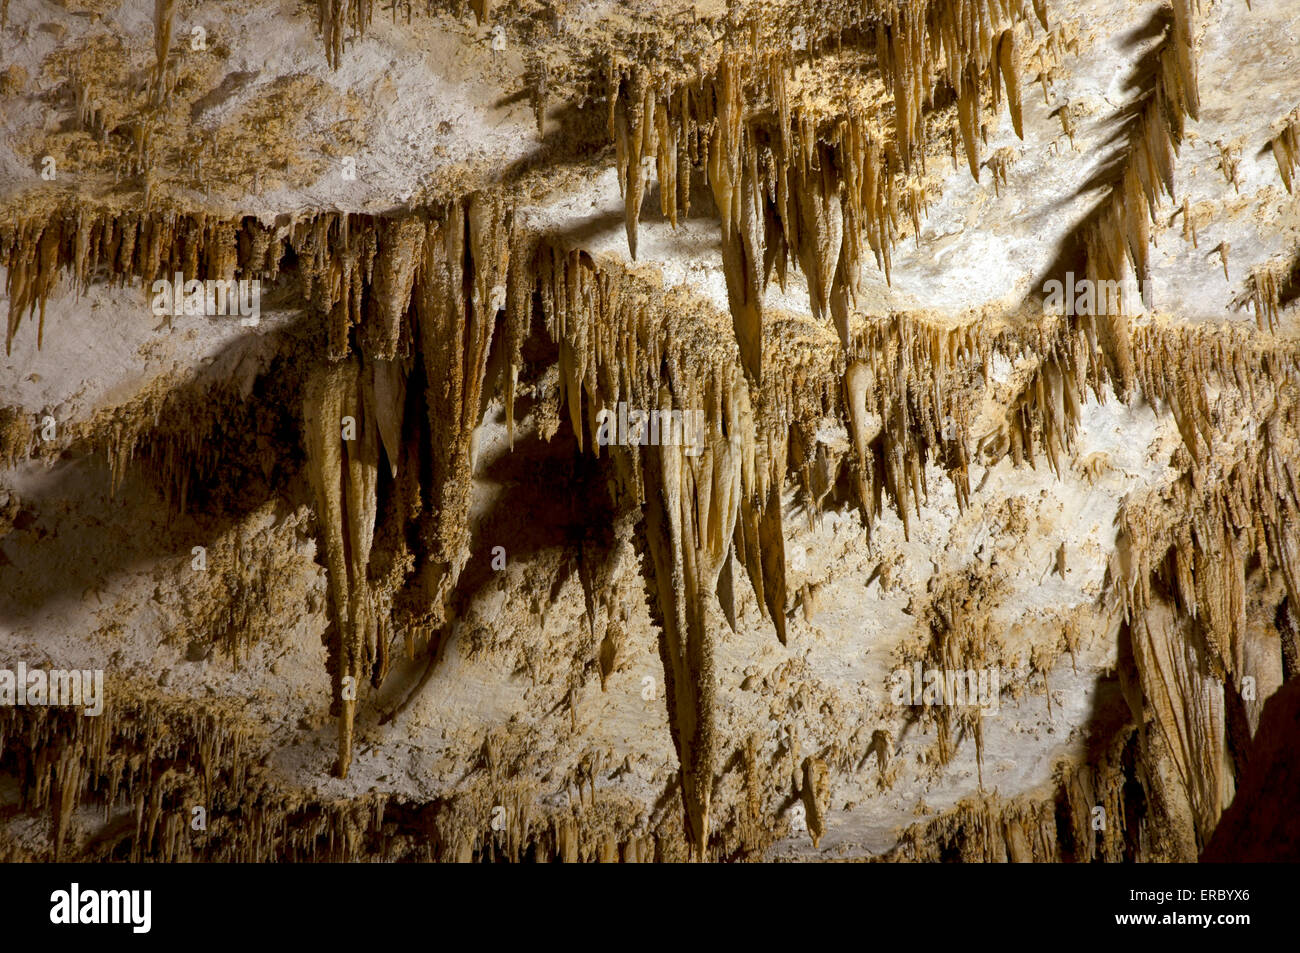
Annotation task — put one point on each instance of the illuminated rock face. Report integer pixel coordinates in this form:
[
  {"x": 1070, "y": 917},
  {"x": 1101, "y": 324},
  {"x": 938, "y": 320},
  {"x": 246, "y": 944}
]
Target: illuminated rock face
[{"x": 851, "y": 430}]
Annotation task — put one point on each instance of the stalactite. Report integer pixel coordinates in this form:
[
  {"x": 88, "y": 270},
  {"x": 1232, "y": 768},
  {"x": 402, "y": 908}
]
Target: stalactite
[
  {"x": 398, "y": 253},
  {"x": 163, "y": 13},
  {"x": 469, "y": 250},
  {"x": 733, "y": 175},
  {"x": 482, "y": 10},
  {"x": 1009, "y": 65},
  {"x": 815, "y": 794},
  {"x": 344, "y": 469}
]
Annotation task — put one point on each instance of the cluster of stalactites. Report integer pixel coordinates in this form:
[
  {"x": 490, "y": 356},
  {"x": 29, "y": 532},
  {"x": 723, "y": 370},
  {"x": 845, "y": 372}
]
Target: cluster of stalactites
[
  {"x": 962, "y": 639},
  {"x": 335, "y": 17},
  {"x": 907, "y": 390},
  {"x": 160, "y": 756},
  {"x": 1048, "y": 409},
  {"x": 72, "y": 756},
  {"x": 1245, "y": 505},
  {"x": 1286, "y": 149},
  {"x": 1101, "y": 782},
  {"x": 1201, "y": 538},
  {"x": 1158, "y": 806},
  {"x": 985, "y": 829},
  {"x": 1073, "y": 366},
  {"x": 789, "y": 192},
  {"x": 1269, "y": 287},
  {"x": 973, "y": 42},
  {"x": 710, "y": 493},
  {"x": 1181, "y": 566},
  {"x": 1120, "y": 232},
  {"x": 426, "y": 290},
  {"x": 397, "y": 295},
  {"x": 790, "y": 183}
]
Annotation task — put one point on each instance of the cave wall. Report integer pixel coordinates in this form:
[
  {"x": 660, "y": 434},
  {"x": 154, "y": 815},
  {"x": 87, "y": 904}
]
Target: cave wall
[{"x": 383, "y": 574}]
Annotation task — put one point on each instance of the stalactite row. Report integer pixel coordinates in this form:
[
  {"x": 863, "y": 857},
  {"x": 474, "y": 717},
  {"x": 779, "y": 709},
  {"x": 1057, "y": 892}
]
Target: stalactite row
[
  {"x": 790, "y": 182},
  {"x": 147, "y": 762},
  {"x": 361, "y": 276},
  {"x": 984, "y": 830},
  {"x": 335, "y": 17},
  {"x": 61, "y": 757},
  {"x": 1180, "y": 368},
  {"x": 86, "y": 242},
  {"x": 180, "y": 432},
  {"x": 1073, "y": 365},
  {"x": 410, "y": 306}
]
